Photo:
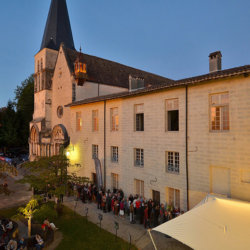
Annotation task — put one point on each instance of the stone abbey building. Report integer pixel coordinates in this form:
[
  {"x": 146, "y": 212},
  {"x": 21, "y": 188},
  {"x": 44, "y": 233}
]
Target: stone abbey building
[{"x": 171, "y": 140}]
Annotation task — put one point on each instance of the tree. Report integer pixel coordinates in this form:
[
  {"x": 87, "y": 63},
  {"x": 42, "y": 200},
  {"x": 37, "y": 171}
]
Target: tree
[
  {"x": 50, "y": 174},
  {"x": 15, "y": 118},
  {"x": 29, "y": 211},
  {"x": 24, "y": 103},
  {"x": 8, "y": 129}
]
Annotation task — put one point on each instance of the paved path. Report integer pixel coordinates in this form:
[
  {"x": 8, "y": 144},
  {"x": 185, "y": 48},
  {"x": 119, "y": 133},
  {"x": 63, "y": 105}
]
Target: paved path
[
  {"x": 139, "y": 235},
  {"x": 21, "y": 192}
]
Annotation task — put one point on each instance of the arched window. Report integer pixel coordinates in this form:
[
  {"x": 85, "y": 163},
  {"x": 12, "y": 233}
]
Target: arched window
[
  {"x": 41, "y": 64},
  {"x": 38, "y": 66},
  {"x": 34, "y": 140},
  {"x": 39, "y": 85}
]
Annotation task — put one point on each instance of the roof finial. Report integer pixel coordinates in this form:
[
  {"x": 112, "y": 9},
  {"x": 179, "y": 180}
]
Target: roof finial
[{"x": 80, "y": 49}]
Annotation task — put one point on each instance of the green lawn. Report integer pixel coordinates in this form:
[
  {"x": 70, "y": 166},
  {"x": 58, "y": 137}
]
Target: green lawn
[
  {"x": 79, "y": 234},
  {"x": 8, "y": 213}
]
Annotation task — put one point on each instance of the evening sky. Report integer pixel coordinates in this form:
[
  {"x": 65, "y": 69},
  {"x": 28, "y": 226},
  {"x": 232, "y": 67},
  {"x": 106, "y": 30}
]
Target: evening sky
[{"x": 169, "y": 38}]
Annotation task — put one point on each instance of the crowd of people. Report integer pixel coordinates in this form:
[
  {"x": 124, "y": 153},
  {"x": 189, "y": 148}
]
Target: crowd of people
[
  {"x": 135, "y": 207},
  {"x": 7, "y": 242}
]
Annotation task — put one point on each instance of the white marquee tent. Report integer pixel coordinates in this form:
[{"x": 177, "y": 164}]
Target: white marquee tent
[{"x": 215, "y": 223}]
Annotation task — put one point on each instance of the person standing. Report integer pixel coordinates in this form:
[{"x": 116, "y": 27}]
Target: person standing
[
  {"x": 99, "y": 199},
  {"x": 146, "y": 216},
  {"x": 131, "y": 213}
]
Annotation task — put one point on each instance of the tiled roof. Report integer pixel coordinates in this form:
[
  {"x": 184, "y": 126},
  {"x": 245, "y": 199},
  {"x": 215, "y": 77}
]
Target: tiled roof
[
  {"x": 243, "y": 70},
  {"x": 216, "y": 75},
  {"x": 58, "y": 29},
  {"x": 112, "y": 73}
]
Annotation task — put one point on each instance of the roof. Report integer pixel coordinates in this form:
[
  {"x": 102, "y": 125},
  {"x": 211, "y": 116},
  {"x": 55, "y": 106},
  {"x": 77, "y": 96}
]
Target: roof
[
  {"x": 58, "y": 29},
  {"x": 104, "y": 71},
  {"x": 215, "y": 223},
  {"x": 243, "y": 70}
]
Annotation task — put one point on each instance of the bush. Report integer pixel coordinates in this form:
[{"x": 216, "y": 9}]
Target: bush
[{"x": 45, "y": 211}]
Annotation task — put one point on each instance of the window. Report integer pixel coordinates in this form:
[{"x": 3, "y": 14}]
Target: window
[
  {"x": 139, "y": 117},
  {"x": 172, "y": 162},
  {"x": 114, "y": 154},
  {"x": 219, "y": 113},
  {"x": 135, "y": 83},
  {"x": 38, "y": 66},
  {"x": 41, "y": 64},
  {"x": 139, "y": 187},
  {"x": 173, "y": 197},
  {"x": 139, "y": 157},
  {"x": 39, "y": 86},
  {"x": 114, "y": 119},
  {"x": 114, "y": 181},
  {"x": 73, "y": 92},
  {"x": 95, "y": 122},
  {"x": 60, "y": 112},
  {"x": 94, "y": 151},
  {"x": 172, "y": 115},
  {"x": 78, "y": 121}
]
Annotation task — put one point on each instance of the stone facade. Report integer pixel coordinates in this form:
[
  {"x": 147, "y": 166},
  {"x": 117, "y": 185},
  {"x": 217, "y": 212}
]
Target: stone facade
[
  {"x": 145, "y": 139},
  {"x": 208, "y": 151}
]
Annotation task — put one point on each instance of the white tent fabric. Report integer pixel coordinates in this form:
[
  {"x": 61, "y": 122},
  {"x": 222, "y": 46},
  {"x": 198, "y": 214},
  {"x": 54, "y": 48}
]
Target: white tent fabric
[{"x": 215, "y": 223}]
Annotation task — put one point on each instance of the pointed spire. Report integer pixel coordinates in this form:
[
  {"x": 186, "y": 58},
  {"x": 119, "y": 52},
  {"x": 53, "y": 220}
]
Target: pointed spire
[{"x": 58, "y": 29}]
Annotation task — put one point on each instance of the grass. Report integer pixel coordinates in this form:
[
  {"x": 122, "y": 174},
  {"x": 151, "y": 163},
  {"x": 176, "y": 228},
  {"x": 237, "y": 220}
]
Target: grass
[
  {"x": 78, "y": 233},
  {"x": 8, "y": 212}
]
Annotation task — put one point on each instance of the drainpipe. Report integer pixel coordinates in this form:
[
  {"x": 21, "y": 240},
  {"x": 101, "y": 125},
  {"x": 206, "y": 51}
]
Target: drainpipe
[
  {"x": 104, "y": 162},
  {"x": 186, "y": 132}
]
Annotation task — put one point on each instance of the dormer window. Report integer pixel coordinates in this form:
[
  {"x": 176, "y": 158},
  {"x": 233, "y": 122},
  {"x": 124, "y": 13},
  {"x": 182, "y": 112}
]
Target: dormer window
[
  {"x": 136, "y": 83},
  {"x": 80, "y": 70}
]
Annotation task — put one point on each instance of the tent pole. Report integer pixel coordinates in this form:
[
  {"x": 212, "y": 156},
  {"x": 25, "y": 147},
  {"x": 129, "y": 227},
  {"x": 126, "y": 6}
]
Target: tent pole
[{"x": 152, "y": 239}]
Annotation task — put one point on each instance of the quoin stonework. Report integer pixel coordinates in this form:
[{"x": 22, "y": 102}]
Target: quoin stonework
[{"x": 171, "y": 140}]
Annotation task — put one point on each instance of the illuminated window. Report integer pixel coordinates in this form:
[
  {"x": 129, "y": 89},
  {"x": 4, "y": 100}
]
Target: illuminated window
[
  {"x": 172, "y": 162},
  {"x": 172, "y": 115},
  {"x": 94, "y": 151},
  {"x": 139, "y": 157},
  {"x": 114, "y": 154},
  {"x": 173, "y": 197},
  {"x": 78, "y": 121},
  {"x": 114, "y": 181},
  {"x": 139, "y": 117},
  {"x": 139, "y": 187},
  {"x": 95, "y": 122},
  {"x": 114, "y": 119},
  {"x": 219, "y": 112}
]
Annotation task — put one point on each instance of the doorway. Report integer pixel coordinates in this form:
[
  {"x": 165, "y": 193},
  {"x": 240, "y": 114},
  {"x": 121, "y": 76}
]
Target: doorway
[
  {"x": 94, "y": 178},
  {"x": 156, "y": 196}
]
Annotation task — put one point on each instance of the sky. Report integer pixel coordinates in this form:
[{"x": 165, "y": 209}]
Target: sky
[{"x": 165, "y": 37}]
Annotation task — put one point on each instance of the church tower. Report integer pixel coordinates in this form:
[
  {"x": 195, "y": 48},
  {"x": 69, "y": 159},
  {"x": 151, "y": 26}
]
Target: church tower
[{"x": 57, "y": 31}]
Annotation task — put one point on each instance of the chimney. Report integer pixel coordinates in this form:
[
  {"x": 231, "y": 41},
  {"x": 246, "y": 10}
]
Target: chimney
[{"x": 215, "y": 61}]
